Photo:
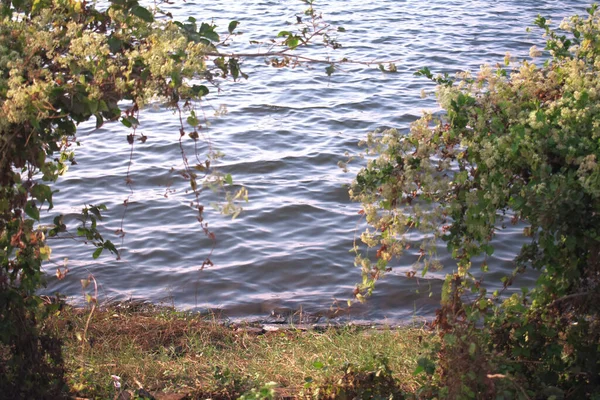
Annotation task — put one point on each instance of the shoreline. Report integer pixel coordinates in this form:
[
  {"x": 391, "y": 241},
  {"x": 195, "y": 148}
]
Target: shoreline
[
  {"x": 280, "y": 318},
  {"x": 169, "y": 354}
]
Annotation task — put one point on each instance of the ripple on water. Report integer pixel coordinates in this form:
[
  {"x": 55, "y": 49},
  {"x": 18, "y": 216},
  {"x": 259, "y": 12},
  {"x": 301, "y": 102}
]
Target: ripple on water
[{"x": 285, "y": 132}]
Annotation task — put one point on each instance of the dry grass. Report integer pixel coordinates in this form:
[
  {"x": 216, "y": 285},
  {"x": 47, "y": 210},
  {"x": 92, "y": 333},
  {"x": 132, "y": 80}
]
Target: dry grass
[{"x": 165, "y": 351}]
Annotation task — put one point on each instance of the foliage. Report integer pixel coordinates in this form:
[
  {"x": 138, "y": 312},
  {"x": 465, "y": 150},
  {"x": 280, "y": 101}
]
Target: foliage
[
  {"x": 264, "y": 392},
  {"x": 63, "y": 62},
  {"x": 514, "y": 145},
  {"x": 373, "y": 379}
]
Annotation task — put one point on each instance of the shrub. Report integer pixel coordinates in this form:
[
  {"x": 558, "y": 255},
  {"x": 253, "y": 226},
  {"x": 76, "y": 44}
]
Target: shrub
[
  {"x": 63, "y": 62},
  {"x": 519, "y": 144}
]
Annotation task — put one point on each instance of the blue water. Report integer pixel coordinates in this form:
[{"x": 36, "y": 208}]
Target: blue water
[{"x": 285, "y": 132}]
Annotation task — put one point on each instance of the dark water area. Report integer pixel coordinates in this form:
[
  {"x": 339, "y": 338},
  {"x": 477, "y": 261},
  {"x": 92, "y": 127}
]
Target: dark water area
[{"x": 283, "y": 135}]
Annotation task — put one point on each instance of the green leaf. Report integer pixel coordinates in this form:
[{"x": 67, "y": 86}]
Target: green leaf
[
  {"x": 427, "y": 365},
  {"x": 232, "y": 26},
  {"x": 318, "y": 365},
  {"x": 208, "y": 31},
  {"x": 59, "y": 224},
  {"x": 329, "y": 70},
  {"x": 418, "y": 370},
  {"x": 292, "y": 42},
  {"x": 32, "y": 211},
  {"x": 220, "y": 63},
  {"x": 35, "y": 123},
  {"x": 228, "y": 179},
  {"x": 92, "y": 106},
  {"x": 341, "y": 29},
  {"x": 102, "y": 107},
  {"x": 234, "y": 68},
  {"x": 489, "y": 250},
  {"x": 4, "y": 205},
  {"x": 96, "y": 211},
  {"x": 143, "y": 13},
  {"x": 472, "y": 349},
  {"x": 108, "y": 245},
  {"x": 38, "y": 5},
  {"x": 114, "y": 44},
  {"x": 97, "y": 253},
  {"x": 176, "y": 78},
  {"x": 42, "y": 193},
  {"x": 193, "y": 121},
  {"x": 200, "y": 90},
  {"x": 126, "y": 122}
]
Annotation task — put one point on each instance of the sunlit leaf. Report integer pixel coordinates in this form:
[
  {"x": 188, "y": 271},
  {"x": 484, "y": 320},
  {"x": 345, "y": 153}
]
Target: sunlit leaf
[
  {"x": 418, "y": 370},
  {"x": 292, "y": 42},
  {"x": 45, "y": 252}
]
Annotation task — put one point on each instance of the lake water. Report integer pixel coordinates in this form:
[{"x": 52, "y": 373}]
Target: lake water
[{"x": 283, "y": 136}]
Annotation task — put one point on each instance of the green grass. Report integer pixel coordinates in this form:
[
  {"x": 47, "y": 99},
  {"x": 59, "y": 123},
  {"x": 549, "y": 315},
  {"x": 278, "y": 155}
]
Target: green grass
[{"x": 165, "y": 351}]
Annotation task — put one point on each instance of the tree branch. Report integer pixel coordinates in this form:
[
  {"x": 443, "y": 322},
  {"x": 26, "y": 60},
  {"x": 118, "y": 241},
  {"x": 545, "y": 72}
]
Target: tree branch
[{"x": 283, "y": 53}]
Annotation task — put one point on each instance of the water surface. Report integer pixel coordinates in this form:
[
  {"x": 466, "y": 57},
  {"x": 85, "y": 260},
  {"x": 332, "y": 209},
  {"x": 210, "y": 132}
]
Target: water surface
[{"x": 284, "y": 134}]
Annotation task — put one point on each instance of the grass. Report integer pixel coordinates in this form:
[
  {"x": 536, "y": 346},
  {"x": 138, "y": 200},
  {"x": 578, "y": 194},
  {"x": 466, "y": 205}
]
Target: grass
[{"x": 182, "y": 355}]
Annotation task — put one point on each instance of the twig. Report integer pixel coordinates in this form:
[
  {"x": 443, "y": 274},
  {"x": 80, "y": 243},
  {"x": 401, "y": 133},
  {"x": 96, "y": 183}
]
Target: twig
[
  {"x": 502, "y": 376},
  {"x": 284, "y": 53},
  {"x": 87, "y": 322},
  {"x": 571, "y": 296},
  {"x": 129, "y": 184}
]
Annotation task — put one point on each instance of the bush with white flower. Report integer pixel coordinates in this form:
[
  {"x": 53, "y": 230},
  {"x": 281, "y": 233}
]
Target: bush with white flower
[{"x": 518, "y": 143}]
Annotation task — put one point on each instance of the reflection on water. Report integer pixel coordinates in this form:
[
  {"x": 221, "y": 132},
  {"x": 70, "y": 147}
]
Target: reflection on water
[{"x": 284, "y": 135}]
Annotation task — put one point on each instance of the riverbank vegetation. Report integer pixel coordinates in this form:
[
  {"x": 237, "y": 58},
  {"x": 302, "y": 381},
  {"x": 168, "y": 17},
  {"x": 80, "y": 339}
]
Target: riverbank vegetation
[
  {"x": 137, "y": 349},
  {"x": 517, "y": 143},
  {"x": 65, "y": 62}
]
